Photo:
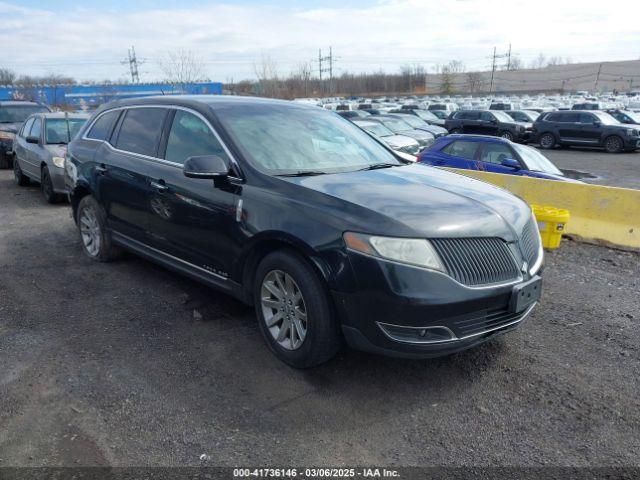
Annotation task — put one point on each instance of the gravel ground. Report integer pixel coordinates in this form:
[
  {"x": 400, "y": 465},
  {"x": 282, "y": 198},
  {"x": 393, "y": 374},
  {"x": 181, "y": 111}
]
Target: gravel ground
[
  {"x": 129, "y": 364},
  {"x": 598, "y": 167}
]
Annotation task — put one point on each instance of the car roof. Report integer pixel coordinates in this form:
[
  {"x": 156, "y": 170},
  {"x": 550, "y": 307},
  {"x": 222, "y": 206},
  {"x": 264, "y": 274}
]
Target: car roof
[
  {"x": 20, "y": 103},
  {"x": 62, "y": 115},
  {"x": 365, "y": 123},
  {"x": 210, "y": 100},
  {"x": 476, "y": 138}
]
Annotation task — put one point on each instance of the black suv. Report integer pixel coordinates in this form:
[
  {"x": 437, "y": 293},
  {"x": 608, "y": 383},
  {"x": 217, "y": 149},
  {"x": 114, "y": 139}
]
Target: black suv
[
  {"x": 483, "y": 122},
  {"x": 584, "y": 129},
  {"x": 12, "y": 114},
  {"x": 302, "y": 214}
]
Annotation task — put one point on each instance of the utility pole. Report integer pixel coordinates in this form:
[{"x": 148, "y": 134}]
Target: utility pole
[
  {"x": 330, "y": 59},
  {"x": 509, "y": 58},
  {"x": 493, "y": 70},
  {"x": 133, "y": 64},
  {"x": 595, "y": 85}
]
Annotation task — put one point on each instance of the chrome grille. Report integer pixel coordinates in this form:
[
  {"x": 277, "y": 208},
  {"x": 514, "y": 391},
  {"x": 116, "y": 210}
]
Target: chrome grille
[
  {"x": 476, "y": 261},
  {"x": 530, "y": 241},
  {"x": 493, "y": 320}
]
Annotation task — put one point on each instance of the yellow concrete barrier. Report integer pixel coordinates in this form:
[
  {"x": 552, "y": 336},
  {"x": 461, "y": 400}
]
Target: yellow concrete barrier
[{"x": 604, "y": 214}]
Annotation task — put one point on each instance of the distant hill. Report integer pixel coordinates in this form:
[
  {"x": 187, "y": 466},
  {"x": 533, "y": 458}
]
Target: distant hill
[{"x": 600, "y": 76}]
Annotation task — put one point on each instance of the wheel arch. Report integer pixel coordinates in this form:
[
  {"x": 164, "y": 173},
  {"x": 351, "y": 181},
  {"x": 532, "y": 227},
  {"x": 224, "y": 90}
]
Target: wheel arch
[
  {"x": 78, "y": 193},
  {"x": 266, "y": 242}
]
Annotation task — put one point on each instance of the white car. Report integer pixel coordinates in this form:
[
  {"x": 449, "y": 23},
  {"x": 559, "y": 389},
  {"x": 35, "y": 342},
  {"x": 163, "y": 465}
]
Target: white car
[{"x": 398, "y": 143}]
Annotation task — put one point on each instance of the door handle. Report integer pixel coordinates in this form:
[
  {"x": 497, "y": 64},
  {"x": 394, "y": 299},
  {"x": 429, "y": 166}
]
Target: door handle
[
  {"x": 159, "y": 185},
  {"x": 101, "y": 169}
]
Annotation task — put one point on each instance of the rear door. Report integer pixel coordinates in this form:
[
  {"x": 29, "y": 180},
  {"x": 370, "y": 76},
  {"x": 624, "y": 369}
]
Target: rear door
[
  {"x": 470, "y": 121},
  {"x": 121, "y": 170},
  {"x": 192, "y": 219},
  {"x": 31, "y": 157},
  {"x": 590, "y": 128},
  {"x": 459, "y": 154},
  {"x": 569, "y": 128},
  {"x": 488, "y": 124},
  {"x": 20, "y": 145}
]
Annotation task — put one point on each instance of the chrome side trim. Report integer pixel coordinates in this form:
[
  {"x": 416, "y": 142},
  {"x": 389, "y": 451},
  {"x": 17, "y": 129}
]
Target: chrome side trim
[
  {"x": 455, "y": 339},
  {"x": 147, "y": 247}
]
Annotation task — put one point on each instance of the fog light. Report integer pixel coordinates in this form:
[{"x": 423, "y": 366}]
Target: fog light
[{"x": 398, "y": 333}]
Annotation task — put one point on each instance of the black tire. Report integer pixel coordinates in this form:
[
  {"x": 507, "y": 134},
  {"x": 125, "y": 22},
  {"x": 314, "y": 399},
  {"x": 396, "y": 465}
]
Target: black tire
[
  {"x": 323, "y": 338},
  {"x": 21, "y": 178},
  {"x": 106, "y": 251},
  {"x": 506, "y": 134},
  {"x": 613, "y": 144},
  {"x": 47, "y": 187},
  {"x": 5, "y": 161},
  {"x": 547, "y": 141}
]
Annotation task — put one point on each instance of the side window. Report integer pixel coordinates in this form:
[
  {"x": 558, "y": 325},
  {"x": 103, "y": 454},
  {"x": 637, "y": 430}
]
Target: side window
[
  {"x": 36, "y": 129},
  {"x": 552, "y": 117},
  {"x": 26, "y": 128},
  {"x": 487, "y": 116},
  {"x": 461, "y": 148},
  {"x": 587, "y": 118},
  {"x": 495, "y": 153},
  {"x": 140, "y": 130},
  {"x": 101, "y": 129},
  {"x": 189, "y": 137}
]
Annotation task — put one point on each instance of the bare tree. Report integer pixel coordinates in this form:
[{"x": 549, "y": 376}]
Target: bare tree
[
  {"x": 539, "y": 62},
  {"x": 474, "y": 81},
  {"x": 446, "y": 79},
  {"x": 267, "y": 73},
  {"x": 515, "y": 63},
  {"x": 456, "y": 66},
  {"x": 181, "y": 67},
  {"x": 7, "y": 76}
]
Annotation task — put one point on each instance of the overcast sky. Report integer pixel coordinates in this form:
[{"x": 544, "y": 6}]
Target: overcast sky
[{"x": 88, "y": 40}]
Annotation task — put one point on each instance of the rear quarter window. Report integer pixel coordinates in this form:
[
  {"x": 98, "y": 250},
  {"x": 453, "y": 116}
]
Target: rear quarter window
[
  {"x": 102, "y": 127},
  {"x": 462, "y": 149}
]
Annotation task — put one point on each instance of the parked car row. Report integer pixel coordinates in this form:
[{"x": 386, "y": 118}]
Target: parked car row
[
  {"x": 12, "y": 116},
  {"x": 332, "y": 236}
]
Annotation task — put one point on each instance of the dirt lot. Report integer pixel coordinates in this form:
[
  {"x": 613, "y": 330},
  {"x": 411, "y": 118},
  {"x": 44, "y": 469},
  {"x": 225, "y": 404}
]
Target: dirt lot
[{"x": 129, "y": 364}]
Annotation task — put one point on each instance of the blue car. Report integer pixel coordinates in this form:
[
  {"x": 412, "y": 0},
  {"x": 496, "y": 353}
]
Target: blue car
[{"x": 490, "y": 154}]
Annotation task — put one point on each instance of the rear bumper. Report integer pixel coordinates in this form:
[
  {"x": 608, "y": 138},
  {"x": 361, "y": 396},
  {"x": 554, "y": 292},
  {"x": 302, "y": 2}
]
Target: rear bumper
[{"x": 408, "y": 312}]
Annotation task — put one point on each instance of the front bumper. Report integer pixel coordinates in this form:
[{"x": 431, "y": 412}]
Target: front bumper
[
  {"x": 631, "y": 143},
  {"x": 6, "y": 147},
  {"x": 395, "y": 304}
]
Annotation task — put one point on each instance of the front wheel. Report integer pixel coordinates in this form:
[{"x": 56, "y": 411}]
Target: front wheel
[
  {"x": 613, "y": 144},
  {"x": 5, "y": 160},
  {"x": 294, "y": 311},
  {"x": 507, "y": 135},
  {"x": 547, "y": 141},
  {"x": 47, "y": 187}
]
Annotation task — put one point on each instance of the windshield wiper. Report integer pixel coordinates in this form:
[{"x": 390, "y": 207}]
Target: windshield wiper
[
  {"x": 377, "y": 166},
  {"x": 302, "y": 173}
]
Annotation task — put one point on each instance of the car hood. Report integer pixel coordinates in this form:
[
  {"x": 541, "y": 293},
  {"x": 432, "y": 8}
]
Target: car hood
[
  {"x": 10, "y": 127},
  {"x": 56, "y": 150},
  {"x": 421, "y": 201},
  {"x": 434, "y": 129},
  {"x": 417, "y": 134},
  {"x": 526, "y": 125},
  {"x": 400, "y": 140}
]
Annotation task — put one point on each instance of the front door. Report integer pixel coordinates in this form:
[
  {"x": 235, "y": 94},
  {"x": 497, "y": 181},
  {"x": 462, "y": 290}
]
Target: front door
[{"x": 191, "y": 218}]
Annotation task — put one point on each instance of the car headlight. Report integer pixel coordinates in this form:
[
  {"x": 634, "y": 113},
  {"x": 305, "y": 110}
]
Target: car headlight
[
  {"x": 632, "y": 133},
  {"x": 58, "y": 161},
  {"x": 412, "y": 251},
  {"x": 520, "y": 128},
  {"x": 7, "y": 135}
]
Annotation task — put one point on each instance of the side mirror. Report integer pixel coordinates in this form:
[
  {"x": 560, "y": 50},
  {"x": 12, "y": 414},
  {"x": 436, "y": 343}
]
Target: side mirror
[
  {"x": 206, "y": 166},
  {"x": 32, "y": 139},
  {"x": 511, "y": 163}
]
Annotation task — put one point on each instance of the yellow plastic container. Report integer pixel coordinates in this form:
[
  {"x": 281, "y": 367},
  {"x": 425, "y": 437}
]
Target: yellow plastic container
[{"x": 551, "y": 222}]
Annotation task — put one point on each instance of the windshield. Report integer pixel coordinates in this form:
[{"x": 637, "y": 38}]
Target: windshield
[
  {"x": 414, "y": 121},
  {"x": 503, "y": 117},
  {"x": 378, "y": 130},
  {"x": 280, "y": 140},
  {"x": 18, "y": 113},
  {"x": 635, "y": 117},
  {"x": 605, "y": 118},
  {"x": 535, "y": 161},
  {"x": 396, "y": 126},
  {"x": 440, "y": 114},
  {"x": 59, "y": 130},
  {"x": 426, "y": 115}
]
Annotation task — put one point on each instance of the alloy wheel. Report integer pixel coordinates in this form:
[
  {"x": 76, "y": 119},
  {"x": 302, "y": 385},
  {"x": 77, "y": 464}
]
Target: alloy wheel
[
  {"x": 90, "y": 231},
  {"x": 613, "y": 144},
  {"x": 507, "y": 135},
  {"x": 284, "y": 309}
]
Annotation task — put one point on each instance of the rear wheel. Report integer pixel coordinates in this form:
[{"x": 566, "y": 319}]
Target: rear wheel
[
  {"x": 47, "y": 187},
  {"x": 613, "y": 144},
  {"x": 547, "y": 141},
  {"x": 21, "y": 178},
  {"x": 92, "y": 225},
  {"x": 294, "y": 311},
  {"x": 507, "y": 135}
]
